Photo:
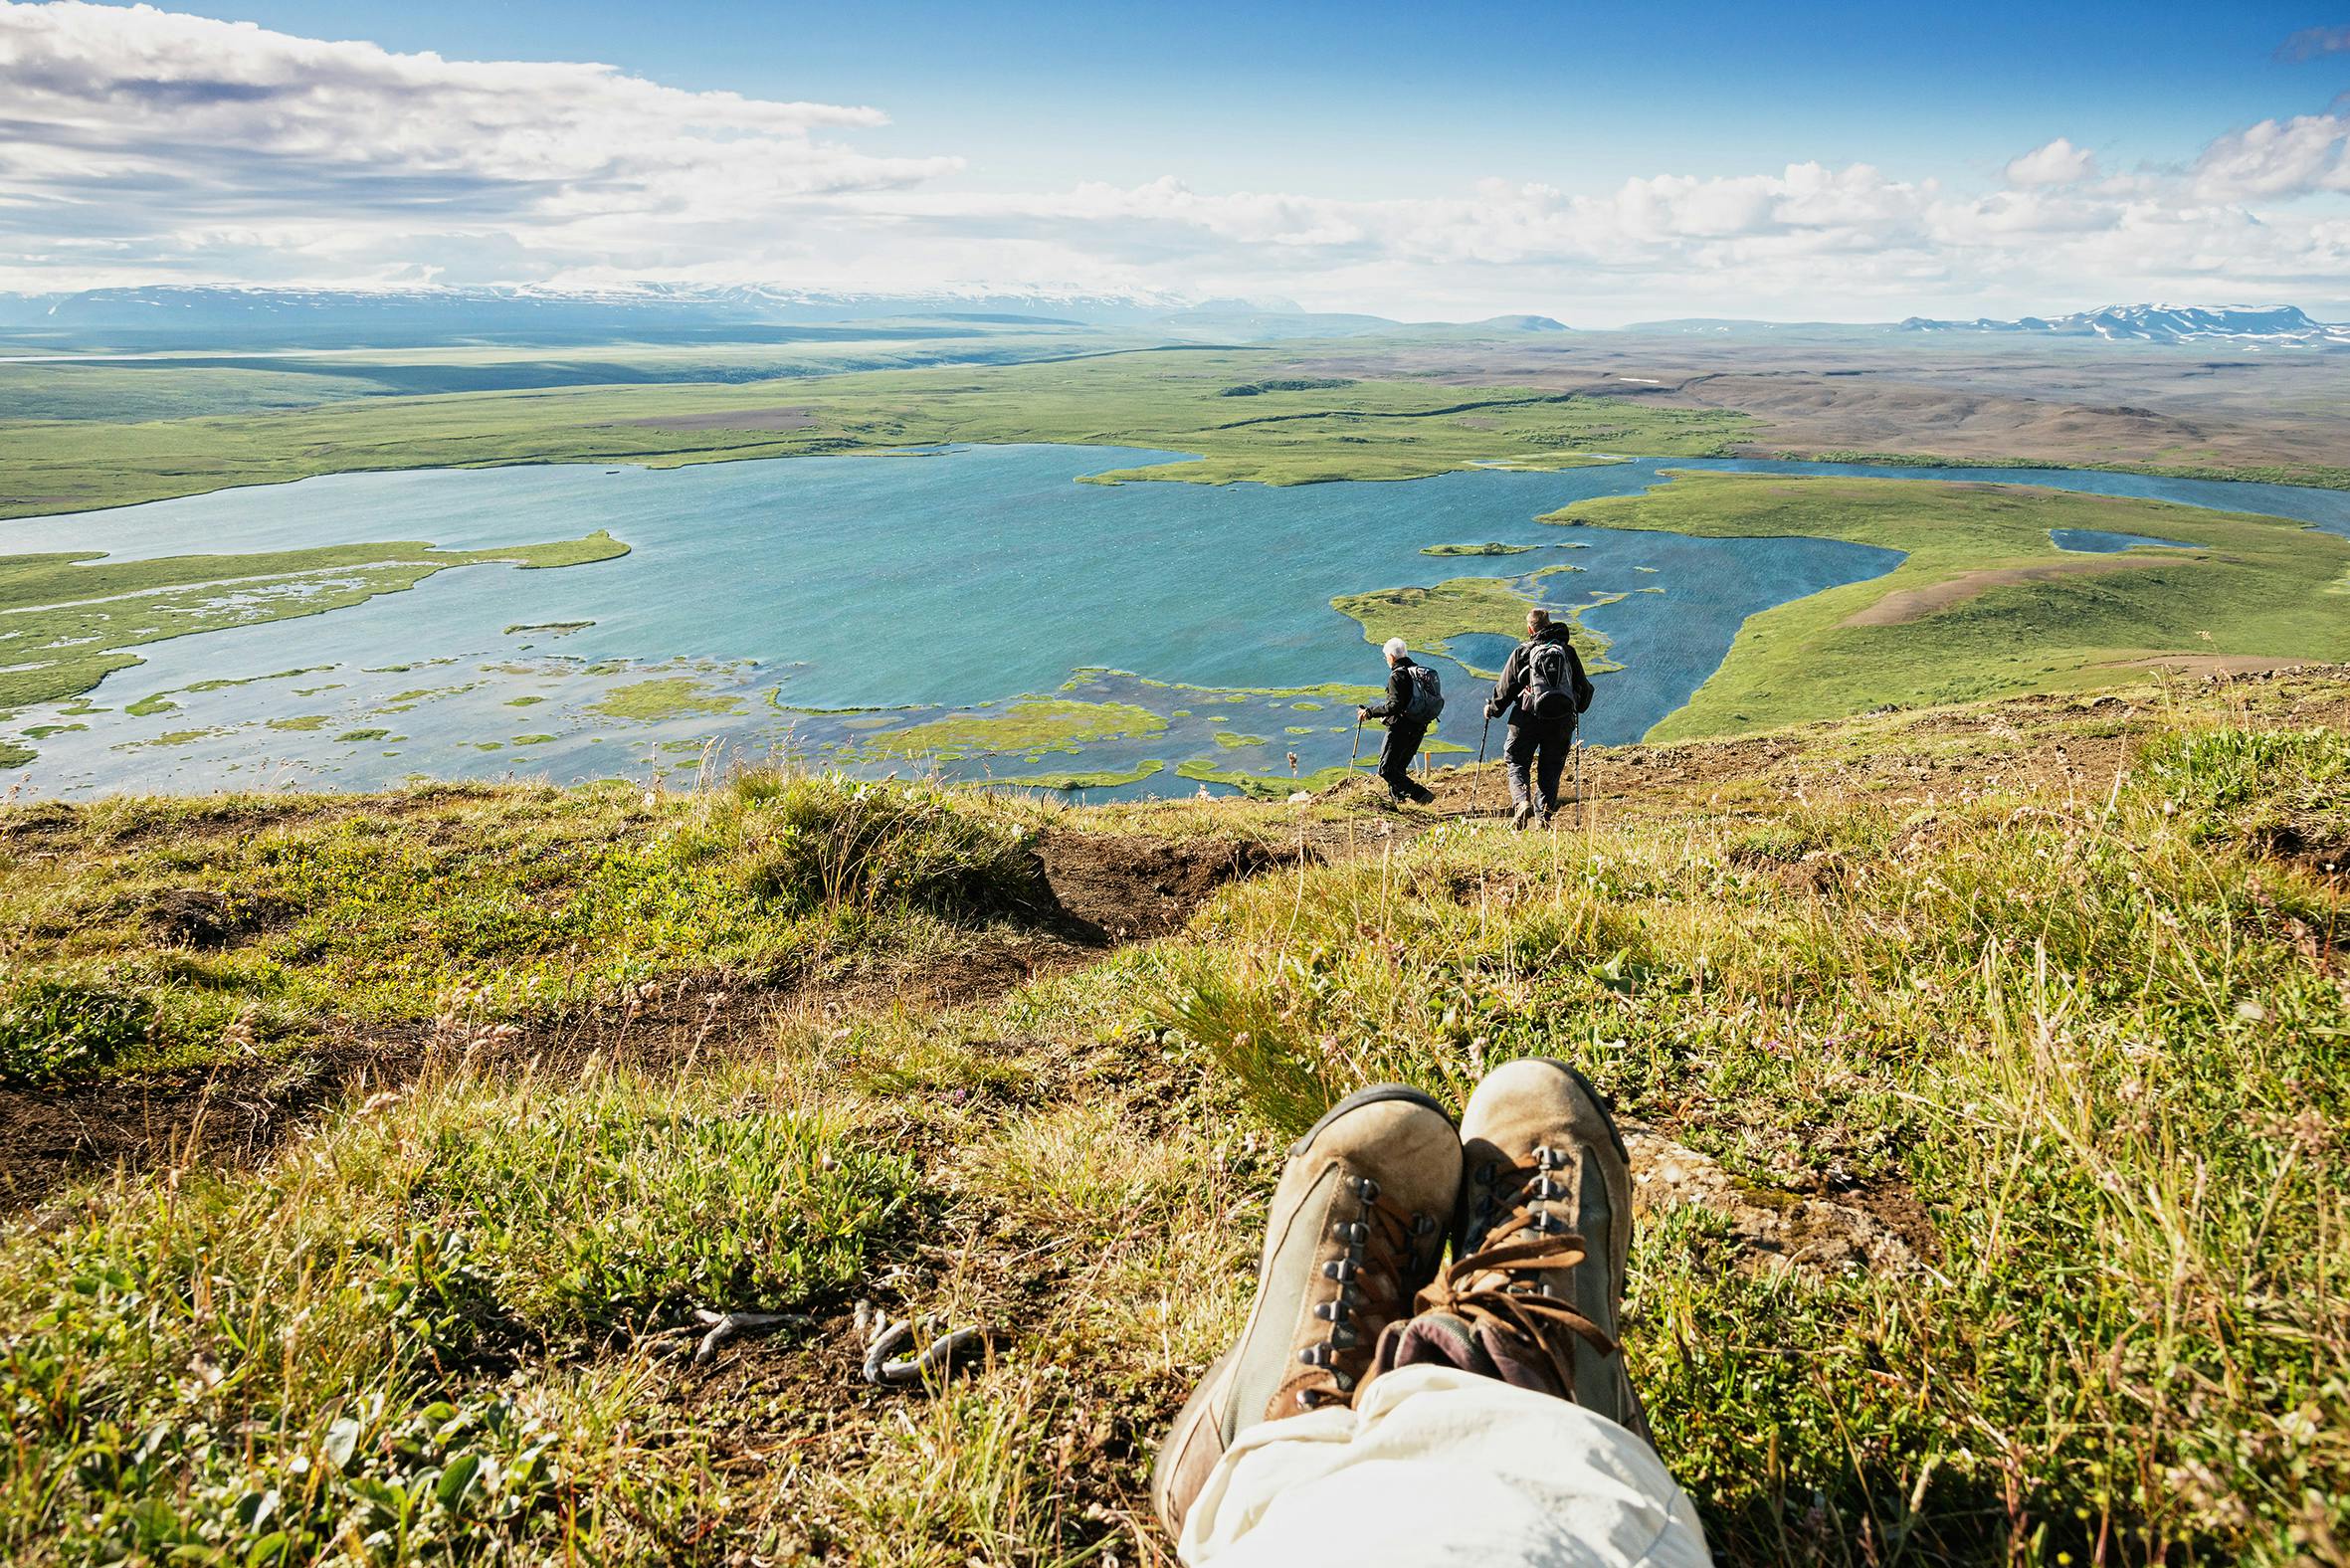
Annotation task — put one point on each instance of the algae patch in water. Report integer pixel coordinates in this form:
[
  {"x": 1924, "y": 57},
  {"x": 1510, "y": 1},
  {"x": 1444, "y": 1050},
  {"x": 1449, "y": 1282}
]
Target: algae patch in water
[
  {"x": 1101, "y": 779},
  {"x": 670, "y": 696},
  {"x": 1491, "y": 548},
  {"x": 1026, "y": 728}
]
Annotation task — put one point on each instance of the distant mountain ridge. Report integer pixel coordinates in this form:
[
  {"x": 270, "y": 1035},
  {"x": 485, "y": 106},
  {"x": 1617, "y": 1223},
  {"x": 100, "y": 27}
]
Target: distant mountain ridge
[
  {"x": 2162, "y": 323},
  {"x": 231, "y": 317},
  {"x": 174, "y": 315}
]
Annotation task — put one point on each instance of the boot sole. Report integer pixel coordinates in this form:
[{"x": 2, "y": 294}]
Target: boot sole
[{"x": 1210, "y": 1382}]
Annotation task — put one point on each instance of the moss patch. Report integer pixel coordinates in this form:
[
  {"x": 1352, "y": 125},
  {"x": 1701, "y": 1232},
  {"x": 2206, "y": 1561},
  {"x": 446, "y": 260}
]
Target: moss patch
[
  {"x": 1025, "y": 728},
  {"x": 670, "y": 696}
]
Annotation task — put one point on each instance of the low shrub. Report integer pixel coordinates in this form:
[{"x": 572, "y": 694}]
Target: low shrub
[{"x": 52, "y": 1030}]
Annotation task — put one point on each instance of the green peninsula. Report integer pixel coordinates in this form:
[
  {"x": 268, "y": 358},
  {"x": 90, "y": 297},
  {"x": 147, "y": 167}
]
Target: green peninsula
[
  {"x": 68, "y": 621},
  {"x": 1985, "y": 604},
  {"x": 1429, "y": 617}
]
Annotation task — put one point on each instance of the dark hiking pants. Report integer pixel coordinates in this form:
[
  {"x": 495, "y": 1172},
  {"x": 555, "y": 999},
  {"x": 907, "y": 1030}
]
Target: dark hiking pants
[
  {"x": 1537, "y": 745},
  {"x": 1394, "y": 760}
]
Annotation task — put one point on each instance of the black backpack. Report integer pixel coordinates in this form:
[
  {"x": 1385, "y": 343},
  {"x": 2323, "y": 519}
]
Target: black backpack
[
  {"x": 1550, "y": 688},
  {"x": 1427, "y": 696}
]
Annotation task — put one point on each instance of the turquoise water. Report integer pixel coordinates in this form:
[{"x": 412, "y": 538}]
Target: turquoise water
[
  {"x": 2096, "y": 541},
  {"x": 912, "y": 582}
]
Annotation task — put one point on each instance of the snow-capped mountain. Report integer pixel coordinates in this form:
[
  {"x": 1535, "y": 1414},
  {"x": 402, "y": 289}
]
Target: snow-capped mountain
[{"x": 2241, "y": 325}]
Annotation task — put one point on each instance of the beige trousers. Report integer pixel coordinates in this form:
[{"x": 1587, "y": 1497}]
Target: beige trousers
[{"x": 1435, "y": 1466}]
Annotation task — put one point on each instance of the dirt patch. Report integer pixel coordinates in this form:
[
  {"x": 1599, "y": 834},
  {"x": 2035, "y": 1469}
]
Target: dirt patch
[
  {"x": 1915, "y": 604},
  {"x": 1118, "y": 889},
  {"x": 201, "y": 918},
  {"x": 1784, "y": 1232},
  {"x": 730, "y": 419},
  {"x": 2210, "y": 664},
  {"x": 229, "y": 1116}
]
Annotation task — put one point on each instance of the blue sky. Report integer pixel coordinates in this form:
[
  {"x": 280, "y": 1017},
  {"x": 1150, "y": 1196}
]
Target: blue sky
[{"x": 1598, "y": 161}]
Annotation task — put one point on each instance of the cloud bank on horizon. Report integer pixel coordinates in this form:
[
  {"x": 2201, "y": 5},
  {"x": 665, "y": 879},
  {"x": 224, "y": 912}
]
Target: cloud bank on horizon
[{"x": 139, "y": 145}]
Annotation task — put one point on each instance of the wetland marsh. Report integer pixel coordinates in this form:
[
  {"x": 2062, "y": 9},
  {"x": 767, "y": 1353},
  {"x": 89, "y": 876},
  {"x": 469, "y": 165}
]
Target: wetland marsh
[{"x": 970, "y": 611}]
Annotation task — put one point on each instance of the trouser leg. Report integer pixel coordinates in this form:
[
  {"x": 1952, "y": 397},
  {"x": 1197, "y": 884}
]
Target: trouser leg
[
  {"x": 1395, "y": 761},
  {"x": 1519, "y": 755},
  {"x": 1553, "y": 761}
]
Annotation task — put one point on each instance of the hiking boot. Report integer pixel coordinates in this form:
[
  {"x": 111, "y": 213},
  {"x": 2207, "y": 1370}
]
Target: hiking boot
[
  {"x": 1521, "y": 814},
  {"x": 1539, "y": 1246},
  {"x": 1356, "y": 1226}
]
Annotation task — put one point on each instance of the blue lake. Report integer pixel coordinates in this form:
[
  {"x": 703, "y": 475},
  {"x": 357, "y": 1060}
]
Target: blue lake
[{"x": 931, "y": 581}]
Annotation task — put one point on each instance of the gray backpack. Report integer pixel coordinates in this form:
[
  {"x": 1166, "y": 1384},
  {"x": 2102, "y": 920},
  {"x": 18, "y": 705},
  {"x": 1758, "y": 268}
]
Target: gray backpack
[
  {"x": 1427, "y": 696},
  {"x": 1549, "y": 690}
]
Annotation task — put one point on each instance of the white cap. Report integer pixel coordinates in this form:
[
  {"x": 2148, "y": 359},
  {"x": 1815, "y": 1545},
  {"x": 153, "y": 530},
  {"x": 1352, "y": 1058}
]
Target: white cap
[{"x": 1396, "y": 648}]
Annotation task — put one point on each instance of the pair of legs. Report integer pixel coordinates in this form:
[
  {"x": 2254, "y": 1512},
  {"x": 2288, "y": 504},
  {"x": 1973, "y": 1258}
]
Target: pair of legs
[
  {"x": 1379, "y": 1408},
  {"x": 1536, "y": 754},
  {"x": 1394, "y": 760}
]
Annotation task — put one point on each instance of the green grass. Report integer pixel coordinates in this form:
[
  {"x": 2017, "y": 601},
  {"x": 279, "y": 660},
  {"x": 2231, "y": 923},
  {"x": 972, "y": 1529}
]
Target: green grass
[
  {"x": 2320, "y": 476},
  {"x": 2054, "y": 987},
  {"x": 2255, "y": 587},
  {"x": 317, "y": 1371},
  {"x": 528, "y": 903},
  {"x": 2095, "y": 1043}
]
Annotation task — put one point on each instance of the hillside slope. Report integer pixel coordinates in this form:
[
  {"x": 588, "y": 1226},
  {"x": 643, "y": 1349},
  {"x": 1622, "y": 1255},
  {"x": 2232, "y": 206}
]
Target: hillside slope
[{"x": 370, "y": 1157}]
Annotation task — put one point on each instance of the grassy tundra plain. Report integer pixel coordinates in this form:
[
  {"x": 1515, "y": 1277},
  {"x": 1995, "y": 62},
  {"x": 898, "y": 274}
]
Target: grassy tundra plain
[
  {"x": 368, "y": 1157},
  {"x": 1168, "y": 399}
]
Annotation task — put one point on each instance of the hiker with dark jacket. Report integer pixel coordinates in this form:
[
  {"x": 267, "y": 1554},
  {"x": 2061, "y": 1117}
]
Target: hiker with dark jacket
[
  {"x": 1542, "y": 689},
  {"x": 1413, "y": 699}
]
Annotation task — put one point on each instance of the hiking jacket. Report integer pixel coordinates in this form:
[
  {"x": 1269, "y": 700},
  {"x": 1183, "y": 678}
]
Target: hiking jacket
[
  {"x": 1398, "y": 695},
  {"x": 1512, "y": 683}
]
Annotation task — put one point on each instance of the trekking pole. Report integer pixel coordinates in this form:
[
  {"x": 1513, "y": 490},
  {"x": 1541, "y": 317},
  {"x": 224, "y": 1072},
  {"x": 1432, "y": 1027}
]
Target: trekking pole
[
  {"x": 1483, "y": 736},
  {"x": 1355, "y": 755}
]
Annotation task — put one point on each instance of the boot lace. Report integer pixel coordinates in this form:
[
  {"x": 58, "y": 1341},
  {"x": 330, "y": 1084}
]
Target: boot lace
[
  {"x": 1502, "y": 1285},
  {"x": 1380, "y": 1242}
]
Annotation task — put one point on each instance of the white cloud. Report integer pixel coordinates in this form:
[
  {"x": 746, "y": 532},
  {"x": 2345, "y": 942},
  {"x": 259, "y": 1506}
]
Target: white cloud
[
  {"x": 182, "y": 131},
  {"x": 2059, "y": 162},
  {"x": 136, "y": 144},
  {"x": 2278, "y": 158}
]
